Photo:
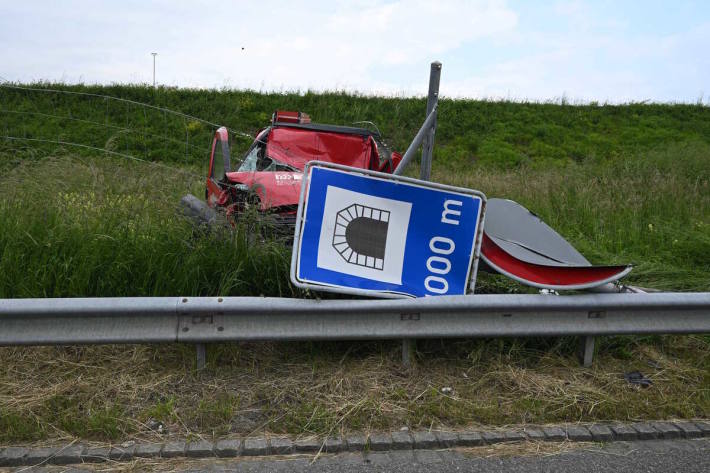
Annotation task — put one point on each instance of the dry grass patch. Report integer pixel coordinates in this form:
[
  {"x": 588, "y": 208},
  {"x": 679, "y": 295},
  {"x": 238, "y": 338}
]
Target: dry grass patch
[
  {"x": 526, "y": 449},
  {"x": 303, "y": 389}
]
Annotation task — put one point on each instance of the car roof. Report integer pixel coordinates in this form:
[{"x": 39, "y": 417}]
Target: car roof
[{"x": 349, "y": 130}]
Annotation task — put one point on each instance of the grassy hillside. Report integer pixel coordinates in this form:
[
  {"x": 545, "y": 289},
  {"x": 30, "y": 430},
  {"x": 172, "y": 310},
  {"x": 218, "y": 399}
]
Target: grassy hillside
[
  {"x": 622, "y": 183},
  {"x": 469, "y": 132}
]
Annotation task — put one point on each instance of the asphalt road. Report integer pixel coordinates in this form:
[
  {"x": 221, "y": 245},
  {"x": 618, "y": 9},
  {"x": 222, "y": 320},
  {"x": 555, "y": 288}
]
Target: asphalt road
[{"x": 648, "y": 456}]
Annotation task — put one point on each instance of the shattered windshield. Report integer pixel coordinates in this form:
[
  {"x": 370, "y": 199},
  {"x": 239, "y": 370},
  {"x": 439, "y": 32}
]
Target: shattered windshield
[
  {"x": 250, "y": 160},
  {"x": 255, "y": 160},
  {"x": 272, "y": 165}
]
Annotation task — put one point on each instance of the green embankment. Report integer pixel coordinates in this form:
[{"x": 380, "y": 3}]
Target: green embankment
[
  {"x": 469, "y": 132},
  {"x": 623, "y": 183}
]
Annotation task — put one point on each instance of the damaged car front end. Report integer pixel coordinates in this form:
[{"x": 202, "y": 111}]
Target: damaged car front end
[{"x": 268, "y": 177}]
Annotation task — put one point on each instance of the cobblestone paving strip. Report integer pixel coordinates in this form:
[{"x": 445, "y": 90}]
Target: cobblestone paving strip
[
  {"x": 493, "y": 436},
  {"x": 173, "y": 449},
  {"x": 40, "y": 455},
  {"x": 357, "y": 443},
  {"x": 200, "y": 449},
  {"x": 421, "y": 443},
  {"x": 281, "y": 445},
  {"x": 380, "y": 442},
  {"x": 601, "y": 433},
  {"x": 402, "y": 441},
  {"x": 623, "y": 432},
  {"x": 534, "y": 434},
  {"x": 335, "y": 445},
  {"x": 578, "y": 433},
  {"x": 228, "y": 448},
  {"x": 120, "y": 453},
  {"x": 95, "y": 455},
  {"x": 514, "y": 436},
  {"x": 308, "y": 445},
  {"x": 13, "y": 456},
  {"x": 667, "y": 430},
  {"x": 148, "y": 450},
  {"x": 704, "y": 428},
  {"x": 424, "y": 440},
  {"x": 67, "y": 455},
  {"x": 645, "y": 431},
  {"x": 470, "y": 439},
  {"x": 255, "y": 447},
  {"x": 689, "y": 430},
  {"x": 447, "y": 439},
  {"x": 554, "y": 434}
]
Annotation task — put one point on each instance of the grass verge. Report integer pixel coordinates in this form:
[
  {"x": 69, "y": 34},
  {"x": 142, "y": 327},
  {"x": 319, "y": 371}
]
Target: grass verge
[{"x": 112, "y": 393}]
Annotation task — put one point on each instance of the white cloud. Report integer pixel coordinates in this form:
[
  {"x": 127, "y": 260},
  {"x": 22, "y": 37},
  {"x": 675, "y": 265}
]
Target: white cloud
[
  {"x": 579, "y": 49},
  {"x": 319, "y": 46},
  {"x": 610, "y": 67}
]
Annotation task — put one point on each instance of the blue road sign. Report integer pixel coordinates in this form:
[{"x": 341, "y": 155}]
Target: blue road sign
[{"x": 369, "y": 233}]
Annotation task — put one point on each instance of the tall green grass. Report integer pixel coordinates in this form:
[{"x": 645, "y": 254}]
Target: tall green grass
[
  {"x": 104, "y": 227},
  {"x": 623, "y": 183},
  {"x": 651, "y": 209},
  {"x": 101, "y": 226}
]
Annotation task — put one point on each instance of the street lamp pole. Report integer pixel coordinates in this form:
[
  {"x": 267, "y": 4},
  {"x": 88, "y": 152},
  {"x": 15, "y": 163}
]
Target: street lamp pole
[{"x": 154, "y": 54}]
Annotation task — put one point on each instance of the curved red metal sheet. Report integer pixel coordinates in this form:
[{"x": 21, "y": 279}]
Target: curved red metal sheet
[
  {"x": 296, "y": 147},
  {"x": 549, "y": 277}
]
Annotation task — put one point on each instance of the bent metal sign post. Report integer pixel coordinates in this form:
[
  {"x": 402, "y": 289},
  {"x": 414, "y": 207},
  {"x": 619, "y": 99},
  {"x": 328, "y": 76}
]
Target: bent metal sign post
[{"x": 369, "y": 233}]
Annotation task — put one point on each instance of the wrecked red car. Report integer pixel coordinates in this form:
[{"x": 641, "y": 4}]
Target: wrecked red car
[{"x": 269, "y": 175}]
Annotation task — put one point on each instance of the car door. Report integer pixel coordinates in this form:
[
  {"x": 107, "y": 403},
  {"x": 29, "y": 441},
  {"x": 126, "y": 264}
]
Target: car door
[{"x": 219, "y": 166}]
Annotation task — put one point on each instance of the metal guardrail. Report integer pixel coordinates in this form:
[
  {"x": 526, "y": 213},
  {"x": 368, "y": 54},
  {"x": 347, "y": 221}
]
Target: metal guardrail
[{"x": 213, "y": 319}]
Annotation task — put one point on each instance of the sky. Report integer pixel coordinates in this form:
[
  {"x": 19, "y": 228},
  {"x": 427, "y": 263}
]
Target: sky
[{"x": 576, "y": 51}]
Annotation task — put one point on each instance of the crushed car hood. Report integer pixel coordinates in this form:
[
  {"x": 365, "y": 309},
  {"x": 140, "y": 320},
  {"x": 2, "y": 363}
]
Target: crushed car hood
[
  {"x": 295, "y": 147},
  {"x": 275, "y": 189}
]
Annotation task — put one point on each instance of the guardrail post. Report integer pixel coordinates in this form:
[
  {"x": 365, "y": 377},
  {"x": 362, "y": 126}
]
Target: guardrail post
[
  {"x": 432, "y": 101},
  {"x": 416, "y": 143},
  {"x": 586, "y": 350},
  {"x": 201, "y": 355},
  {"x": 408, "y": 348}
]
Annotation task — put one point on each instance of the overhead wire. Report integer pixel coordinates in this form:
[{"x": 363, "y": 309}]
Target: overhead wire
[
  {"x": 103, "y": 125},
  {"x": 118, "y": 99},
  {"x": 4, "y": 83},
  {"x": 103, "y": 150},
  {"x": 8, "y": 85}
]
